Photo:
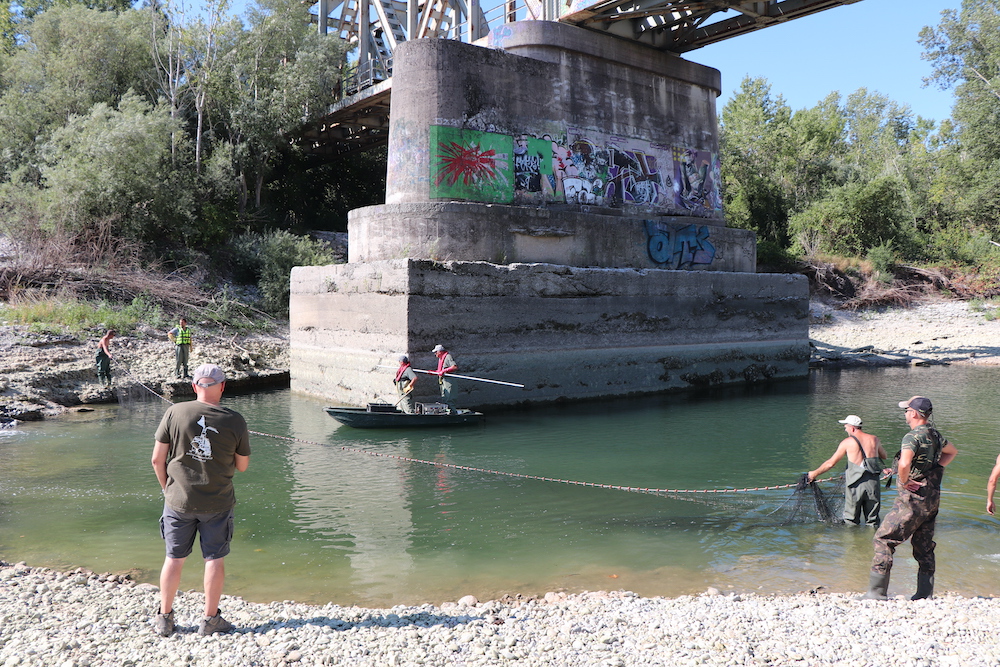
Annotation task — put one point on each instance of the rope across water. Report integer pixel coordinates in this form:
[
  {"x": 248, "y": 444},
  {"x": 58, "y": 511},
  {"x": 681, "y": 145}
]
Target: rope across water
[
  {"x": 596, "y": 485},
  {"x": 455, "y": 466}
]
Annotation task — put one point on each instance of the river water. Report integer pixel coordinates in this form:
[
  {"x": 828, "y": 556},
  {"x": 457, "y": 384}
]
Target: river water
[{"x": 320, "y": 519}]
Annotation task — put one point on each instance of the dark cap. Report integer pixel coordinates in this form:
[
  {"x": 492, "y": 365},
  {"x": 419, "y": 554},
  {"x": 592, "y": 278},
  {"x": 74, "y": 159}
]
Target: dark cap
[{"x": 918, "y": 403}]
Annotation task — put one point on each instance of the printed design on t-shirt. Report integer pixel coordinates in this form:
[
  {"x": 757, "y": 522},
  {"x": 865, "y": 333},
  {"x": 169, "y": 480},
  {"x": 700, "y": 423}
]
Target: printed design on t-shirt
[{"x": 201, "y": 446}]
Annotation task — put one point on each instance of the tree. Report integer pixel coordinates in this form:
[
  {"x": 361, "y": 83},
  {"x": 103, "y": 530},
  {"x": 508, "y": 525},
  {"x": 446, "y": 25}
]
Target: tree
[
  {"x": 754, "y": 129},
  {"x": 817, "y": 139},
  {"x": 8, "y": 28},
  {"x": 71, "y": 58},
  {"x": 116, "y": 163},
  {"x": 279, "y": 77},
  {"x": 852, "y": 219},
  {"x": 964, "y": 50},
  {"x": 74, "y": 58}
]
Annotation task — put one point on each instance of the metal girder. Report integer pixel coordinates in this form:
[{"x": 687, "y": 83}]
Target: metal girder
[
  {"x": 355, "y": 124},
  {"x": 679, "y": 26},
  {"x": 375, "y": 27}
]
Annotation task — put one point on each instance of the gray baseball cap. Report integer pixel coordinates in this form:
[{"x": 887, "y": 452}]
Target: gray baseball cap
[{"x": 210, "y": 372}]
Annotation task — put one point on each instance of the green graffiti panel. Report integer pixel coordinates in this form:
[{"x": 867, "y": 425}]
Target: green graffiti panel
[{"x": 471, "y": 165}]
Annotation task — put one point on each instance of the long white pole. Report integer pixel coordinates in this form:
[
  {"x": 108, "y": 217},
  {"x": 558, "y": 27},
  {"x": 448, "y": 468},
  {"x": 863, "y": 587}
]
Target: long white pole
[{"x": 463, "y": 377}]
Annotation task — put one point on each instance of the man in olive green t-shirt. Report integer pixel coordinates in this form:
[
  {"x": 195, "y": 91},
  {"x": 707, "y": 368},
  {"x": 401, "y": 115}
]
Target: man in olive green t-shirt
[{"x": 199, "y": 447}]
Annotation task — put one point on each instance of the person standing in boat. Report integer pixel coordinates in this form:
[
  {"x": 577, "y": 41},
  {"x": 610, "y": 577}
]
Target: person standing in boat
[
  {"x": 405, "y": 379},
  {"x": 103, "y": 358},
  {"x": 446, "y": 364},
  {"x": 922, "y": 459},
  {"x": 862, "y": 487}
]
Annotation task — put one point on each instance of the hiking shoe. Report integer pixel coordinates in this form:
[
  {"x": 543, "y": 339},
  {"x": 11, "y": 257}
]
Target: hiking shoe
[
  {"x": 213, "y": 624},
  {"x": 165, "y": 624}
]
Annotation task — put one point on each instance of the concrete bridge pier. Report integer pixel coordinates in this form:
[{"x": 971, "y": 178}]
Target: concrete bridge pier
[{"x": 553, "y": 217}]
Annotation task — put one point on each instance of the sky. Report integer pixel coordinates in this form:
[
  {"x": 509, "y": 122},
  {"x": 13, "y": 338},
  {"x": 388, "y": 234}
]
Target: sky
[{"x": 871, "y": 44}]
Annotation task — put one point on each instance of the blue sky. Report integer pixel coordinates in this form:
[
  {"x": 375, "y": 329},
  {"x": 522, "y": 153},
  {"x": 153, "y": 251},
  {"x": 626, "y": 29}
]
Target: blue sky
[{"x": 870, "y": 44}]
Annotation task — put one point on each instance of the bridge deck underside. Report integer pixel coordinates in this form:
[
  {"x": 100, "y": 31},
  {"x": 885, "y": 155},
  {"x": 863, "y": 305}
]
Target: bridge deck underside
[{"x": 360, "y": 121}]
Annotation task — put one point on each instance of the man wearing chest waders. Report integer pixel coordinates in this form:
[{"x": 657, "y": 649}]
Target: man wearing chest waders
[
  {"x": 862, "y": 479},
  {"x": 922, "y": 459}
]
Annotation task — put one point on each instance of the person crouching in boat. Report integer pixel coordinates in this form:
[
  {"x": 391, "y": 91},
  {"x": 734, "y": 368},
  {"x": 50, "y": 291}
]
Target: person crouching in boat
[{"x": 405, "y": 379}]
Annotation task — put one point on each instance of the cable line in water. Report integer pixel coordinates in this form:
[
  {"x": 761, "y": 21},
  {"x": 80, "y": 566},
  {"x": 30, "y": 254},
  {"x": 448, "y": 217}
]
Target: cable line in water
[{"x": 454, "y": 466}]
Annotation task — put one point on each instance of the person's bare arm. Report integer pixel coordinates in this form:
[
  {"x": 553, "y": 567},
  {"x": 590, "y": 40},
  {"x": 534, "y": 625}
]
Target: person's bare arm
[
  {"x": 830, "y": 462},
  {"x": 159, "y": 460},
  {"x": 242, "y": 462},
  {"x": 882, "y": 454},
  {"x": 948, "y": 454},
  {"x": 991, "y": 486}
]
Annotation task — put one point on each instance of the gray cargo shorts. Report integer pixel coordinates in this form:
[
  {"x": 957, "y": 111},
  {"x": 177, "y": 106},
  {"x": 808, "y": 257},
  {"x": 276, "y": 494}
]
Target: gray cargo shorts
[{"x": 178, "y": 530}]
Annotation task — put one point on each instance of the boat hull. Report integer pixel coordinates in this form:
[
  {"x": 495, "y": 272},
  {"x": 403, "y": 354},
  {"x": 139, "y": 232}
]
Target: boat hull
[{"x": 363, "y": 418}]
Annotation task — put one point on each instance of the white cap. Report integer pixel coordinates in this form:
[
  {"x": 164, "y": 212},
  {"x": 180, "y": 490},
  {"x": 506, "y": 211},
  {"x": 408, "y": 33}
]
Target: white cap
[
  {"x": 853, "y": 420},
  {"x": 438, "y": 348}
]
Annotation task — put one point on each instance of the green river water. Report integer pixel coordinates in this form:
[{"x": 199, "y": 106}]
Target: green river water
[{"x": 319, "y": 522}]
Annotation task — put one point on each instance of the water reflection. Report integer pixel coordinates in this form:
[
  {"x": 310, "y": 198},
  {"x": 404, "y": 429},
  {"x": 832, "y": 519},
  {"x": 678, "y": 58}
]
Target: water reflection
[{"x": 332, "y": 494}]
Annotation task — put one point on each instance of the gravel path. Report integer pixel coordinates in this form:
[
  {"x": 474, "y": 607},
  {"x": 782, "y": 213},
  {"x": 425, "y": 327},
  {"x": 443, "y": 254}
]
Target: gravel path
[{"x": 80, "y": 619}]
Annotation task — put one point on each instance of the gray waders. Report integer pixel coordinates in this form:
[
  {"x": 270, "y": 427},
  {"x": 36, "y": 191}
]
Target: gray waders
[{"x": 878, "y": 584}]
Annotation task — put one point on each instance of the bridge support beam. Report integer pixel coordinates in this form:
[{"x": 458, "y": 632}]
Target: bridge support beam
[{"x": 553, "y": 217}]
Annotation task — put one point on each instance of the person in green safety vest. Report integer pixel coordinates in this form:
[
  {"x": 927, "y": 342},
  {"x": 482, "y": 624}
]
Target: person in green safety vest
[{"x": 180, "y": 336}]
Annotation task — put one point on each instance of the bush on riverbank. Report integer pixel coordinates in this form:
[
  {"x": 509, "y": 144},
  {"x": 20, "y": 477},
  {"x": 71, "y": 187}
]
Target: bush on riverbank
[
  {"x": 83, "y": 280},
  {"x": 878, "y": 280}
]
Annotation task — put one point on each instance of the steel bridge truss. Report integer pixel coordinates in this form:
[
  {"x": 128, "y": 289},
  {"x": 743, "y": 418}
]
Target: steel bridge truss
[{"x": 376, "y": 27}]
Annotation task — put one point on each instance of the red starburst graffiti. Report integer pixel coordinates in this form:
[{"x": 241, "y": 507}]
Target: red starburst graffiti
[{"x": 470, "y": 164}]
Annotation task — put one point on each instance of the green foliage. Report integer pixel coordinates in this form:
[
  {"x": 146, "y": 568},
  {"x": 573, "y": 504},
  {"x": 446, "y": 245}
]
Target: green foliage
[
  {"x": 78, "y": 316},
  {"x": 8, "y": 28},
  {"x": 753, "y": 131},
  {"x": 774, "y": 257},
  {"x": 852, "y": 219},
  {"x": 883, "y": 261},
  {"x": 267, "y": 259},
  {"x": 113, "y": 163},
  {"x": 961, "y": 246}
]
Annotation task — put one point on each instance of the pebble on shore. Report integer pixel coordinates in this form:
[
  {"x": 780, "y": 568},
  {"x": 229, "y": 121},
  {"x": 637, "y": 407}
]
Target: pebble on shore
[{"x": 82, "y": 619}]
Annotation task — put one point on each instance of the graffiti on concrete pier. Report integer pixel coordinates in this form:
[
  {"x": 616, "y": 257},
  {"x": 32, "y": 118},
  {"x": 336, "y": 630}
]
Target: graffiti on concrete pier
[
  {"x": 577, "y": 167},
  {"x": 679, "y": 246}
]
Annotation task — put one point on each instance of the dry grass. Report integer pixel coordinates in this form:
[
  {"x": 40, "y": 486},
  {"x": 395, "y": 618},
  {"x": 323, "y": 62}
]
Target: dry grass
[
  {"x": 873, "y": 293},
  {"x": 857, "y": 285},
  {"x": 94, "y": 266},
  {"x": 90, "y": 265}
]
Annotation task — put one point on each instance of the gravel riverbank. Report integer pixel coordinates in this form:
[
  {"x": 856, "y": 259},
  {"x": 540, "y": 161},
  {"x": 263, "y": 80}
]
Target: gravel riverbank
[
  {"x": 81, "y": 619},
  {"x": 945, "y": 331},
  {"x": 44, "y": 374}
]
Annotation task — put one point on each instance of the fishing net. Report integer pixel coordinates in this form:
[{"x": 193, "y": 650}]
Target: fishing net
[
  {"x": 131, "y": 394},
  {"x": 743, "y": 509},
  {"x": 130, "y": 390},
  {"x": 809, "y": 502}
]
